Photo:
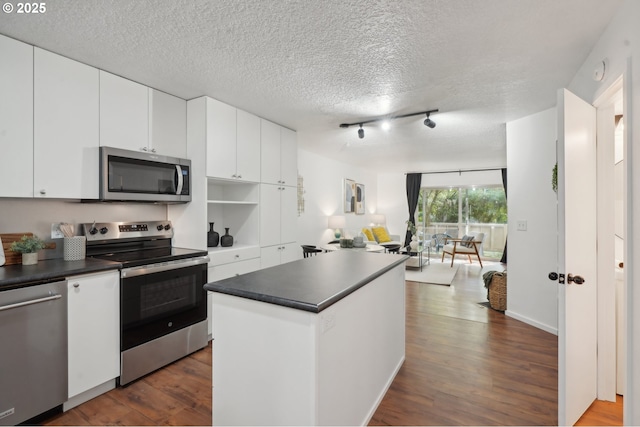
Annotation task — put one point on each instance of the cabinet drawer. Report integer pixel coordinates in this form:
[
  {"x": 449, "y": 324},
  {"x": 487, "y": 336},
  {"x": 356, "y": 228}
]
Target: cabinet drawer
[
  {"x": 233, "y": 269},
  {"x": 226, "y": 256}
]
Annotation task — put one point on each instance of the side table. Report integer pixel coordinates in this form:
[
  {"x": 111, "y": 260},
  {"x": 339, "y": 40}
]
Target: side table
[{"x": 420, "y": 250}]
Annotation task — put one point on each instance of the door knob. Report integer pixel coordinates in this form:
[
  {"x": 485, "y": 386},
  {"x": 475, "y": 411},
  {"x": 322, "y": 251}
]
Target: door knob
[{"x": 578, "y": 280}]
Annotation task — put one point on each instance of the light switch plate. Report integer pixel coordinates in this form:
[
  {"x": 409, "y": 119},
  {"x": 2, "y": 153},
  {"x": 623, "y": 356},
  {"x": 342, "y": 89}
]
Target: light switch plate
[
  {"x": 56, "y": 233},
  {"x": 522, "y": 225}
]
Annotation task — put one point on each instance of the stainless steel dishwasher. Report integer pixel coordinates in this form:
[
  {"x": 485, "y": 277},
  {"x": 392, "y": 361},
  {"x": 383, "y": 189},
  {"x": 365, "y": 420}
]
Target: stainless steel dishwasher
[{"x": 33, "y": 351}]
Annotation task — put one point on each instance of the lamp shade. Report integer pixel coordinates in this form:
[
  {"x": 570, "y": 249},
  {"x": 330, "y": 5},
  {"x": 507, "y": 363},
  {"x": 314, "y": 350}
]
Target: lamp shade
[
  {"x": 378, "y": 219},
  {"x": 337, "y": 221}
]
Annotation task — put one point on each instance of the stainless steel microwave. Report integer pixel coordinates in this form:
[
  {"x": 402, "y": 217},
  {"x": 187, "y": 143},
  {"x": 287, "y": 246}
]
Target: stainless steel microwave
[{"x": 143, "y": 177}]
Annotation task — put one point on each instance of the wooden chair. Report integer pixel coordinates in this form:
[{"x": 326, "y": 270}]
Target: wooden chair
[
  {"x": 309, "y": 250},
  {"x": 455, "y": 247}
]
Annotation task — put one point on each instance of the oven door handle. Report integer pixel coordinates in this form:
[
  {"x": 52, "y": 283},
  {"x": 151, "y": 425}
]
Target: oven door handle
[{"x": 165, "y": 266}]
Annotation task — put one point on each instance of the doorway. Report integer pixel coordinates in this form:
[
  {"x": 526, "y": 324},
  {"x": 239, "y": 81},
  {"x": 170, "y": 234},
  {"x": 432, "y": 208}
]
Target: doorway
[{"x": 611, "y": 172}]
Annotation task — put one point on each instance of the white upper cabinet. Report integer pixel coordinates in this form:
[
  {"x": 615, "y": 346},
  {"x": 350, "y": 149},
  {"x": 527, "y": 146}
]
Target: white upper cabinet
[
  {"x": 167, "y": 124},
  {"x": 288, "y": 157},
  {"x": 279, "y": 155},
  {"x": 66, "y": 127},
  {"x": 16, "y": 118},
  {"x": 248, "y": 146},
  {"x": 233, "y": 143},
  {"x": 136, "y": 117},
  {"x": 124, "y": 113},
  {"x": 221, "y": 139}
]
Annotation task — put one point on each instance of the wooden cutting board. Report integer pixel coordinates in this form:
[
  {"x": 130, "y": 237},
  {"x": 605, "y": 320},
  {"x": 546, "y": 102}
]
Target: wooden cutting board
[{"x": 16, "y": 257}]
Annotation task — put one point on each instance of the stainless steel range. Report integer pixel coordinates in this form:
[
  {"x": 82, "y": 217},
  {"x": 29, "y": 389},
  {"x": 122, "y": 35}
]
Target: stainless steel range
[{"x": 163, "y": 305}]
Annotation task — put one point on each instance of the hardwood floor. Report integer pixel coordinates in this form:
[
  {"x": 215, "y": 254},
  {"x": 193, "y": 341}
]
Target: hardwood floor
[
  {"x": 470, "y": 365},
  {"x": 466, "y": 364},
  {"x": 602, "y": 413},
  {"x": 178, "y": 394}
]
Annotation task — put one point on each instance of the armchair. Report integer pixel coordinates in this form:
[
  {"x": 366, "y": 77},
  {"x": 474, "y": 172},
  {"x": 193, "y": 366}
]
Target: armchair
[{"x": 468, "y": 245}]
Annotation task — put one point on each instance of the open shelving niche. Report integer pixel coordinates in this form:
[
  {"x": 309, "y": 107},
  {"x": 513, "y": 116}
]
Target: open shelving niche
[{"x": 235, "y": 205}]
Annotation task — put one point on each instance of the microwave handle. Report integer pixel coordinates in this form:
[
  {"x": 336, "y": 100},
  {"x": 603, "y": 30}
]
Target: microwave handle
[{"x": 179, "y": 180}]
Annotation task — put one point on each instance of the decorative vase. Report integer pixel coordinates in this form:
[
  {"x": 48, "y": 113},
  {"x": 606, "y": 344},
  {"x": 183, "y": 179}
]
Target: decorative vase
[
  {"x": 414, "y": 243},
  {"x": 30, "y": 258},
  {"x": 227, "y": 239},
  {"x": 213, "y": 237}
]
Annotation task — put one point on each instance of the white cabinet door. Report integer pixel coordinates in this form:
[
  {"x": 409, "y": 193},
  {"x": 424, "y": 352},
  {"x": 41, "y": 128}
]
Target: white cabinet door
[
  {"x": 288, "y": 157},
  {"x": 248, "y": 147},
  {"x": 221, "y": 140},
  {"x": 66, "y": 128},
  {"x": 270, "y": 152},
  {"x": 290, "y": 252},
  {"x": 279, "y": 155},
  {"x": 270, "y": 256},
  {"x": 270, "y": 214},
  {"x": 94, "y": 330},
  {"x": 124, "y": 113},
  {"x": 16, "y": 118},
  {"x": 168, "y": 124},
  {"x": 288, "y": 214}
]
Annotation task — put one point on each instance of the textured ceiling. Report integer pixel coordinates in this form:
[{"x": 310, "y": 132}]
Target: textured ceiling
[{"x": 311, "y": 65}]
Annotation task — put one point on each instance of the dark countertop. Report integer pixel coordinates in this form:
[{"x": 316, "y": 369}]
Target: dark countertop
[
  {"x": 310, "y": 284},
  {"x": 16, "y": 276}
]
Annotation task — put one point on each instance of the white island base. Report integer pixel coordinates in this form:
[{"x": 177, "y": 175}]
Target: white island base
[{"x": 275, "y": 365}]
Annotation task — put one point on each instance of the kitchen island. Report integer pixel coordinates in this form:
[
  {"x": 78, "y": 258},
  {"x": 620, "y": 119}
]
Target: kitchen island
[{"x": 313, "y": 342}]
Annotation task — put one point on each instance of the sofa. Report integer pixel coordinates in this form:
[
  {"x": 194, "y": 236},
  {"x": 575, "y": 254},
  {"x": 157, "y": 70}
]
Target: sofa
[{"x": 378, "y": 235}]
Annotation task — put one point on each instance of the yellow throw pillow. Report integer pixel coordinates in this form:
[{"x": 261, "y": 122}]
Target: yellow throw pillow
[
  {"x": 369, "y": 234},
  {"x": 381, "y": 234}
]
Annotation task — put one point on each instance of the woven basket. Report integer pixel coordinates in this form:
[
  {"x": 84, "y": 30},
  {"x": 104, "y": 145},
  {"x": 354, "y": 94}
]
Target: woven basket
[{"x": 498, "y": 292}]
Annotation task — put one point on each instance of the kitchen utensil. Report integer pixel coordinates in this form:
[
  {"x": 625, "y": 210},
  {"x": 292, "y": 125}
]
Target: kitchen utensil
[{"x": 67, "y": 229}]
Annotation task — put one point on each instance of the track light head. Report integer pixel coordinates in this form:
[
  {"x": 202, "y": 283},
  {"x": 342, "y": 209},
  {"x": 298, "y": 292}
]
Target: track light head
[
  {"x": 361, "y": 132},
  {"x": 429, "y": 123}
]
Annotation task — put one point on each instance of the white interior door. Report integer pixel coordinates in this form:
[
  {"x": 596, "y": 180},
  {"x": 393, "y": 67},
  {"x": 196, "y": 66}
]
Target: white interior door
[{"x": 577, "y": 227}]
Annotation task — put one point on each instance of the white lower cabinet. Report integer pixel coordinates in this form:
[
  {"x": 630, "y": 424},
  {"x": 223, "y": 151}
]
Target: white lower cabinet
[
  {"x": 279, "y": 254},
  {"x": 93, "y": 330},
  {"x": 228, "y": 263}
]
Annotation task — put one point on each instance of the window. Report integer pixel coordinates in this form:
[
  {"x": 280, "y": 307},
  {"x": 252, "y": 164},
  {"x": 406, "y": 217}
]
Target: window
[{"x": 463, "y": 210}]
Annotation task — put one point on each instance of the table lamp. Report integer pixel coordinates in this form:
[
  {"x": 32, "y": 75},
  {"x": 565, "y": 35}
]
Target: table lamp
[
  {"x": 337, "y": 222},
  {"x": 378, "y": 219}
]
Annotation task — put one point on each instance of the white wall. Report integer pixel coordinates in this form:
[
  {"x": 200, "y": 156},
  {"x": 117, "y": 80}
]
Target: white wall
[
  {"x": 36, "y": 216},
  {"x": 322, "y": 180},
  {"x": 531, "y": 156},
  {"x": 619, "y": 46}
]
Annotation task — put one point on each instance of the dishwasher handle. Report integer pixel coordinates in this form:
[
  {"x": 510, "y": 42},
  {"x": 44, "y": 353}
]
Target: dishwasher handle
[{"x": 30, "y": 302}]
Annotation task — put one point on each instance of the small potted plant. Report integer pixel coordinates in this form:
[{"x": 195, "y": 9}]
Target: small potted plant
[{"x": 28, "y": 246}]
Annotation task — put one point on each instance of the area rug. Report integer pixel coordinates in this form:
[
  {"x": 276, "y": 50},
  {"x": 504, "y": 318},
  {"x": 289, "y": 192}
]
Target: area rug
[{"x": 435, "y": 273}]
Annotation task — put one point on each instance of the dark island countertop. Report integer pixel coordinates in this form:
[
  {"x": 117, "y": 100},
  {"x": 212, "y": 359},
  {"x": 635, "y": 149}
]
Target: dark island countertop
[
  {"x": 310, "y": 284},
  {"x": 16, "y": 276}
]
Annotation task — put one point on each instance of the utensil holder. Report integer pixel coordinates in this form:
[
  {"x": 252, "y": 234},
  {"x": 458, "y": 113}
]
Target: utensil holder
[{"x": 74, "y": 248}]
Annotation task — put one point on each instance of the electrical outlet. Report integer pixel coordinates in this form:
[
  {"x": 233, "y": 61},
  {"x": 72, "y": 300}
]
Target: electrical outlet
[
  {"x": 522, "y": 225},
  {"x": 56, "y": 233}
]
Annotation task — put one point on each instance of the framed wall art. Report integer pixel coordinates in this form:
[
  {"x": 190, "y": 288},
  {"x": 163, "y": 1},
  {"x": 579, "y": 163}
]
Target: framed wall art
[
  {"x": 359, "y": 199},
  {"x": 349, "y": 196}
]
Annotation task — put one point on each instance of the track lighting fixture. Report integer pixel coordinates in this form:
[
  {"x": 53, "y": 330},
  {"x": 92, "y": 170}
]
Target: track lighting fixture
[
  {"x": 386, "y": 120},
  {"x": 428, "y": 122}
]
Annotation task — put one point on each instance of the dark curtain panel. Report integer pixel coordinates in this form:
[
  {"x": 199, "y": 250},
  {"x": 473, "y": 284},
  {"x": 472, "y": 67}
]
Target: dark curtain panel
[
  {"x": 504, "y": 184},
  {"x": 414, "y": 181}
]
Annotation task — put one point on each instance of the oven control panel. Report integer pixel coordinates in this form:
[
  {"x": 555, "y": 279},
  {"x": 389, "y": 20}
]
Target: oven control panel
[
  {"x": 132, "y": 228},
  {"x": 100, "y": 231}
]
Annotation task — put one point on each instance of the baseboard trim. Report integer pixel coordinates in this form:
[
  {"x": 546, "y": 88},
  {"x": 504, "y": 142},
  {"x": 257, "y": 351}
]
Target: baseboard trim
[{"x": 532, "y": 322}]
